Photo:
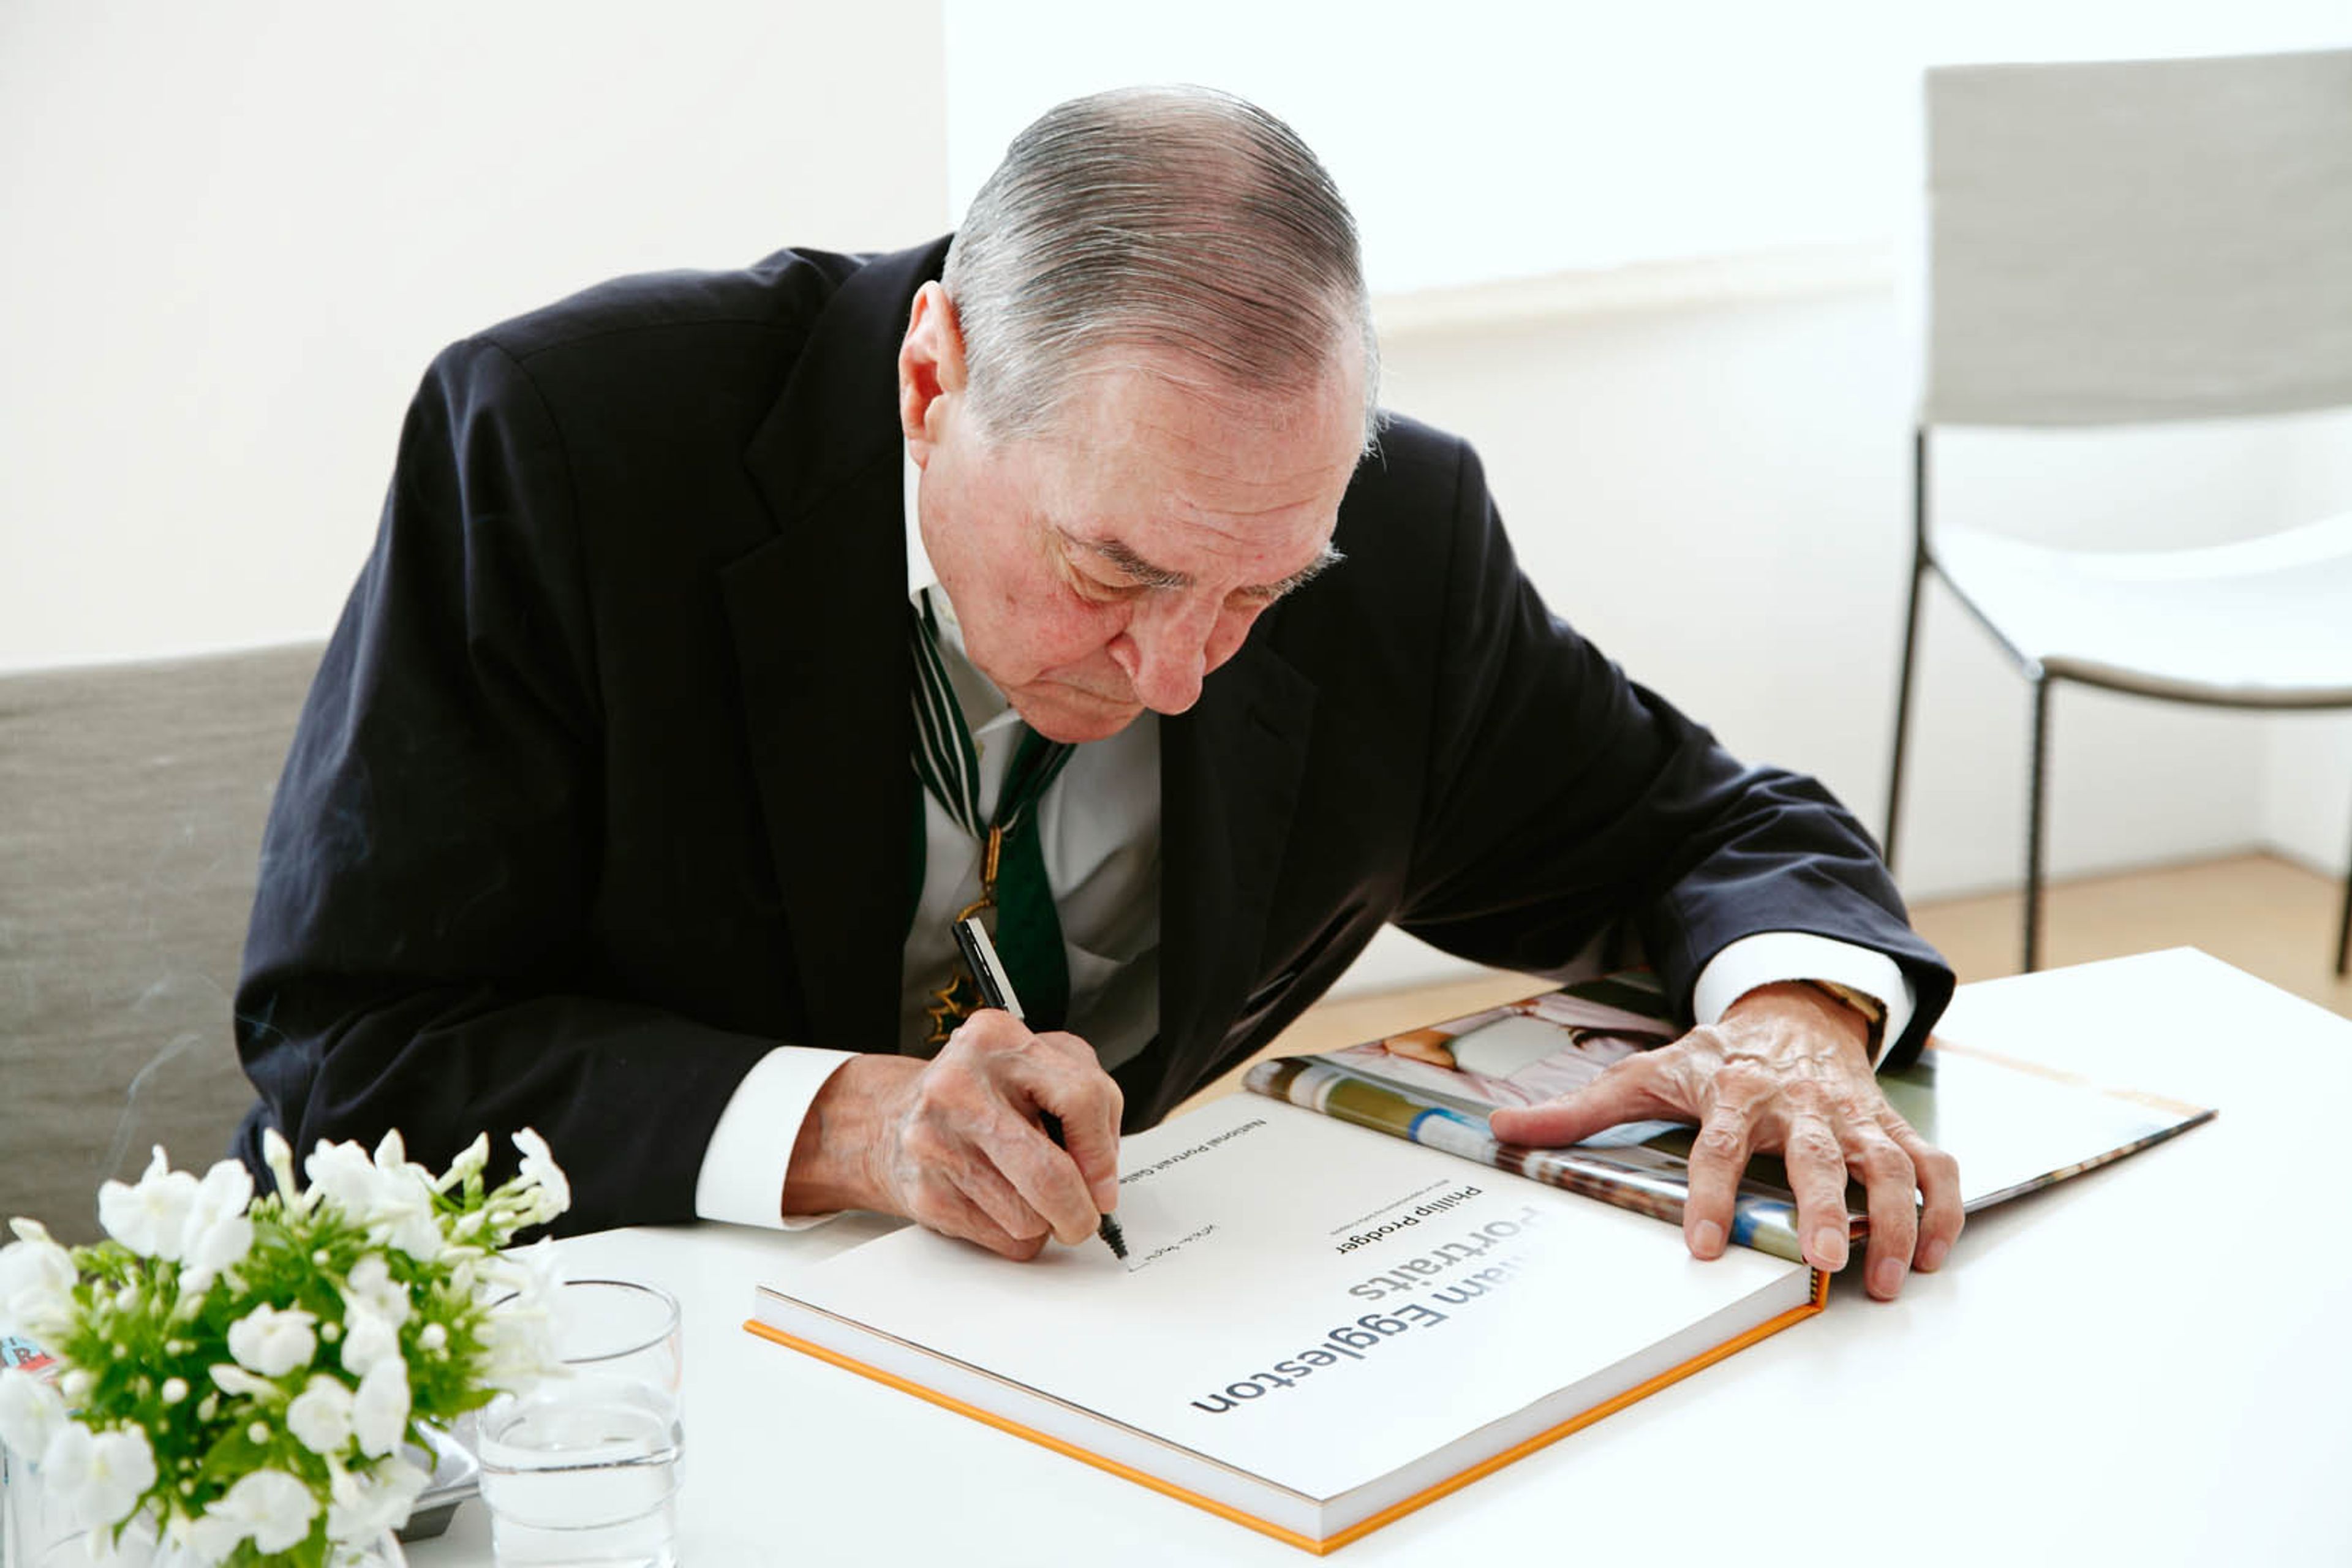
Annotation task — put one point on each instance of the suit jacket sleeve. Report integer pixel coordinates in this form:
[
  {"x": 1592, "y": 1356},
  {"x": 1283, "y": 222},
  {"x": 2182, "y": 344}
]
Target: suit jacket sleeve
[
  {"x": 419, "y": 938},
  {"x": 1563, "y": 797}
]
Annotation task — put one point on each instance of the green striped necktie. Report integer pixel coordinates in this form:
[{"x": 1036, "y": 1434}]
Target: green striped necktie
[{"x": 1012, "y": 884}]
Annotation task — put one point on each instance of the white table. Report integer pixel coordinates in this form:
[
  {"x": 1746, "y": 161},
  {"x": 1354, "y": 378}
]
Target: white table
[{"x": 2151, "y": 1365}]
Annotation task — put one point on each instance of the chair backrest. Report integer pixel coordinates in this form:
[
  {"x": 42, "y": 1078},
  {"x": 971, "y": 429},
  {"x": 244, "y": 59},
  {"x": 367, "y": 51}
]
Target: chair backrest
[
  {"x": 131, "y": 805},
  {"x": 2143, "y": 240}
]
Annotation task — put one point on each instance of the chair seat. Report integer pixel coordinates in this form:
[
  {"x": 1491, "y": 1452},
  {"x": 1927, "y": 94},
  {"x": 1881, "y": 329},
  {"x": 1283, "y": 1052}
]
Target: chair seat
[{"x": 2261, "y": 623}]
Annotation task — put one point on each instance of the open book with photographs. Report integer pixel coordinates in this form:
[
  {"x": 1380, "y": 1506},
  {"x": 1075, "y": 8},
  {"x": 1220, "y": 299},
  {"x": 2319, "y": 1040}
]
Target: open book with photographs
[
  {"x": 2014, "y": 1126},
  {"x": 1319, "y": 1327}
]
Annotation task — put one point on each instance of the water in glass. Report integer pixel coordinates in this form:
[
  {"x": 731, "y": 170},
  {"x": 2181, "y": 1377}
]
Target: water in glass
[{"x": 583, "y": 1471}]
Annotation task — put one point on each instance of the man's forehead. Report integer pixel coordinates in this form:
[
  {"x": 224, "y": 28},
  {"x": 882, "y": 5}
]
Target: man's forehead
[
  {"x": 1167, "y": 482},
  {"x": 1290, "y": 568},
  {"x": 1194, "y": 415}
]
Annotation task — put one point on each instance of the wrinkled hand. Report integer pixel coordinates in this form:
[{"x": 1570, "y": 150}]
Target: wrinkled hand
[
  {"x": 956, "y": 1144},
  {"x": 1786, "y": 1071}
]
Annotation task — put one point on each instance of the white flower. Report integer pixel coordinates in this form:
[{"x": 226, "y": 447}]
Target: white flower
[
  {"x": 65, "y": 1462},
  {"x": 533, "y": 1273},
  {"x": 100, "y": 1478},
  {"x": 518, "y": 1347},
  {"x": 369, "y": 1341},
  {"x": 320, "y": 1416},
  {"x": 227, "y": 1189},
  {"x": 380, "y": 1410},
  {"x": 37, "y": 1281},
  {"x": 216, "y": 1235},
  {"x": 236, "y": 1381},
  {"x": 272, "y": 1507},
  {"x": 470, "y": 1162},
  {"x": 122, "y": 1468},
  {"x": 393, "y": 1200},
  {"x": 364, "y": 1504},
  {"x": 208, "y": 1539},
  {"x": 410, "y": 1224},
  {"x": 370, "y": 1287},
  {"x": 30, "y": 1411},
  {"x": 392, "y": 1159},
  {"x": 519, "y": 1332},
  {"x": 135, "y": 1549},
  {"x": 148, "y": 1218},
  {"x": 273, "y": 1343},
  {"x": 278, "y": 1155},
  {"x": 539, "y": 1170},
  {"x": 346, "y": 1177}
]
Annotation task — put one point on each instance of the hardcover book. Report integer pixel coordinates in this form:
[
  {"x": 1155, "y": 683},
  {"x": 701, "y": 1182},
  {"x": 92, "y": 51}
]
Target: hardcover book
[
  {"x": 1344, "y": 1300},
  {"x": 1316, "y": 1330}
]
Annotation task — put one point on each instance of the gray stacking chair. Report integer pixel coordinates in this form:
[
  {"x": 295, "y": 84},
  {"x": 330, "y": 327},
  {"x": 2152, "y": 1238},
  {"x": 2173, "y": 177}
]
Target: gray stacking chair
[{"x": 2123, "y": 243}]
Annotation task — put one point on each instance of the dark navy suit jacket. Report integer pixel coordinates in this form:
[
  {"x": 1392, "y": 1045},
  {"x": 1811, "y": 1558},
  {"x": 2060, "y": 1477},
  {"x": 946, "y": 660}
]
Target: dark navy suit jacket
[{"x": 603, "y": 788}]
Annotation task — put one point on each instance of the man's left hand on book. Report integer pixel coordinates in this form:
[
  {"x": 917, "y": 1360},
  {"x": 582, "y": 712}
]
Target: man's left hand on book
[{"x": 1787, "y": 1070}]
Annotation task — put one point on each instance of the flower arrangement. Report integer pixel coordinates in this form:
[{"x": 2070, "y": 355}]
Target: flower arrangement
[{"x": 241, "y": 1374}]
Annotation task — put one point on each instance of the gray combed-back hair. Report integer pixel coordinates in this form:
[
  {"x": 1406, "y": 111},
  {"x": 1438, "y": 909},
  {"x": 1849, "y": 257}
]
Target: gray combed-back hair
[{"x": 1164, "y": 219}]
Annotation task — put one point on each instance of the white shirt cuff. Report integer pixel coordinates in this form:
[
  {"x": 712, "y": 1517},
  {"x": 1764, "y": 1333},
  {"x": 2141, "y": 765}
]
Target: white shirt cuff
[
  {"x": 743, "y": 1169},
  {"x": 1771, "y": 957}
]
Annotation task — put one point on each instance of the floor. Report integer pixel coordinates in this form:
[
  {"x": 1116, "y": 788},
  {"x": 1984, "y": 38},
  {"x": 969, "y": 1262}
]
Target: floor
[{"x": 2272, "y": 918}]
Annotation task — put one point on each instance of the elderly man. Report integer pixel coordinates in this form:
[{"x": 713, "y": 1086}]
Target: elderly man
[{"x": 710, "y": 662}]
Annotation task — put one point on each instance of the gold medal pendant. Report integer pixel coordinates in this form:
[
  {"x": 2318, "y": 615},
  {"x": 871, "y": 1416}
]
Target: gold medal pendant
[{"x": 949, "y": 1006}]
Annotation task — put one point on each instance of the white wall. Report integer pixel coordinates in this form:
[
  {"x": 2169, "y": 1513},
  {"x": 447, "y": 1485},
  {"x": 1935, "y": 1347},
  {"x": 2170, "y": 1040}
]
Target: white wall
[
  {"x": 1484, "y": 138},
  {"x": 235, "y": 233}
]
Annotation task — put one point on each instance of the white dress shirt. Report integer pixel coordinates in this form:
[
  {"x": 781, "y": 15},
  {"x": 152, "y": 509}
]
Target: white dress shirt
[{"x": 1099, "y": 822}]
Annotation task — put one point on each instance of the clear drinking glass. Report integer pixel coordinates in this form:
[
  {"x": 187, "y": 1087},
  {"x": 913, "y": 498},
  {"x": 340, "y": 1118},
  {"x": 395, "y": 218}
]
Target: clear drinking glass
[
  {"x": 35, "y": 1532},
  {"x": 583, "y": 1469}
]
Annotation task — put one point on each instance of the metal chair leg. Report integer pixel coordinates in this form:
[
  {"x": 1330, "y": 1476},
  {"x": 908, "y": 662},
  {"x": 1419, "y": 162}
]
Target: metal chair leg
[
  {"x": 1903, "y": 710},
  {"x": 1910, "y": 638},
  {"x": 2344, "y": 931},
  {"x": 2034, "y": 814}
]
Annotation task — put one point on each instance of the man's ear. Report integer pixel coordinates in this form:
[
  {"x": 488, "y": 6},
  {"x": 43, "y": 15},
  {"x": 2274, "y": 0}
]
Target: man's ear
[{"x": 930, "y": 371}]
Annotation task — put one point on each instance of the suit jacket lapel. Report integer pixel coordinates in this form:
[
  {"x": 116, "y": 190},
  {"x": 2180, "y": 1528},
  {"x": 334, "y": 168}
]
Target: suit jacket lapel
[
  {"x": 1229, "y": 781},
  {"x": 818, "y": 615}
]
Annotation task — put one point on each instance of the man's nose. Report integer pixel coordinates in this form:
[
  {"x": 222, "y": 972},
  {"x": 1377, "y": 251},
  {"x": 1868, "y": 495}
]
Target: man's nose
[{"x": 1165, "y": 651}]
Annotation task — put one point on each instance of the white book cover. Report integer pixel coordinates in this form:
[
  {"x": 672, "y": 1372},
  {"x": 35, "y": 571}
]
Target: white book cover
[{"x": 1317, "y": 1326}]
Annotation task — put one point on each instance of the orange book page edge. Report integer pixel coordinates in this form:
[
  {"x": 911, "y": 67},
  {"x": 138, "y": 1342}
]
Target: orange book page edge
[{"x": 1362, "y": 1528}]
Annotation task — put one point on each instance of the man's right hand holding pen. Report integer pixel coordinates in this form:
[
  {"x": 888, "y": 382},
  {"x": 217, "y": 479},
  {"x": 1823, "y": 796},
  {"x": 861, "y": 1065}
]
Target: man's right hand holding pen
[{"x": 955, "y": 1143}]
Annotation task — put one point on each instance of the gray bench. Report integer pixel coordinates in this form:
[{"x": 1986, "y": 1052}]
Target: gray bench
[{"x": 131, "y": 802}]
